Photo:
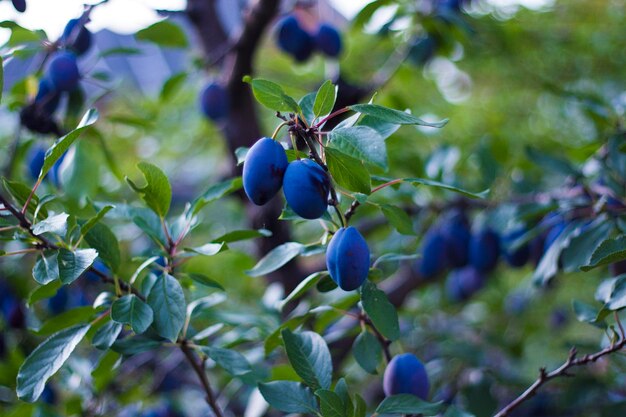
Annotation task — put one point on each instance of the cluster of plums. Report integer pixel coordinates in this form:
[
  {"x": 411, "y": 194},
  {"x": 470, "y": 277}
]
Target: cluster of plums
[
  {"x": 293, "y": 39},
  {"x": 60, "y": 77},
  {"x": 306, "y": 186},
  {"x": 470, "y": 255}
]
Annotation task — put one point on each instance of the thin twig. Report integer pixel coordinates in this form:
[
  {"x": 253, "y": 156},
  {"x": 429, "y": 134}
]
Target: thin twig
[
  {"x": 210, "y": 398},
  {"x": 384, "y": 342},
  {"x": 544, "y": 376}
]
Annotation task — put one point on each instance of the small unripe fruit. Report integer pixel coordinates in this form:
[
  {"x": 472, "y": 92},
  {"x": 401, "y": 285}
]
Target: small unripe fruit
[
  {"x": 462, "y": 283},
  {"x": 63, "y": 71},
  {"x": 294, "y": 40},
  {"x": 328, "y": 40},
  {"x": 519, "y": 256},
  {"x": 47, "y": 97},
  {"x": 434, "y": 254},
  {"x": 405, "y": 374},
  {"x": 306, "y": 186},
  {"x": 484, "y": 250},
  {"x": 78, "y": 40},
  {"x": 214, "y": 101},
  {"x": 348, "y": 258},
  {"x": 263, "y": 170}
]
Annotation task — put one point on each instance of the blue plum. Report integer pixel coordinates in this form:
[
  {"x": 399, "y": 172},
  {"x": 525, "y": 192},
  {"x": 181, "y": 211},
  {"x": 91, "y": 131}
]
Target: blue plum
[
  {"x": 328, "y": 40},
  {"x": 484, "y": 250},
  {"x": 63, "y": 71},
  {"x": 35, "y": 158},
  {"x": 348, "y": 258},
  {"x": 405, "y": 374},
  {"x": 306, "y": 186},
  {"x": 99, "y": 266},
  {"x": 47, "y": 97},
  {"x": 263, "y": 170},
  {"x": 19, "y": 5},
  {"x": 214, "y": 101},
  {"x": 293, "y": 39},
  {"x": 59, "y": 302},
  {"x": 76, "y": 39},
  {"x": 456, "y": 232},
  {"x": 519, "y": 256},
  {"x": 434, "y": 258},
  {"x": 462, "y": 283}
]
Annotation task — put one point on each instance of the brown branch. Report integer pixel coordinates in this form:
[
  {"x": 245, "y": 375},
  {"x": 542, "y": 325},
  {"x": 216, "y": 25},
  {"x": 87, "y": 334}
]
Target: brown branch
[
  {"x": 384, "y": 342},
  {"x": 210, "y": 397},
  {"x": 544, "y": 376}
]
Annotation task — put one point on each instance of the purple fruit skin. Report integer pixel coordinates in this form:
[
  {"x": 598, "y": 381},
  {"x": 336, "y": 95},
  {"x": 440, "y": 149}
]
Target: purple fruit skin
[
  {"x": 63, "y": 71},
  {"x": 294, "y": 40},
  {"x": 457, "y": 234},
  {"x": 518, "y": 257},
  {"x": 214, "y": 101},
  {"x": 434, "y": 254},
  {"x": 405, "y": 374},
  {"x": 263, "y": 170},
  {"x": 348, "y": 258},
  {"x": 306, "y": 186},
  {"x": 328, "y": 40},
  {"x": 462, "y": 283},
  {"x": 80, "y": 42},
  {"x": 484, "y": 250},
  {"x": 47, "y": 97}
]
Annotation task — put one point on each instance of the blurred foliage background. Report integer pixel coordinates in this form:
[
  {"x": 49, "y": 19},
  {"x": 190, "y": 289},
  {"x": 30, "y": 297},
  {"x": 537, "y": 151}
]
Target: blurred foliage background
[{"x": 510, "y": 80}]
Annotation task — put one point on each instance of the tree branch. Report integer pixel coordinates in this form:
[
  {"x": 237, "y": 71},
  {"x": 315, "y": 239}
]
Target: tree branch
[
  {"x": 544, "y": 376},
  {"x": 210, "y": 397}
]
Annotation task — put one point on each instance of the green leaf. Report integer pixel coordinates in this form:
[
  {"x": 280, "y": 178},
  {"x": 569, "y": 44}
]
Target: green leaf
[
  {"x": 206, "y": 281},
  {"x": 164, "y": 33},
  {"x": 208, "y": 249},
  {"x": 157, "y": 193},
  {"x": 609, "y": 251},
  {"x": 168, "y": 304},
  {"x": 306, "y": 104},
  {"x": 1, "y": 78},
  {"x": 134, "y": 345},
  {"x": 384, "y": 129},
  {"x": 588, "y": 314},
  {"x": 310, "y": 358},
  {"x": 453, "y": 411},
  {"x": 131, "y": 310},
  {"x": 617, "y": 298},
  {"x": 272, "y": 96},
  {"x": 232, "y": 361},
  {"x": 331, "y": 404},
  {"x": 56, "y": 224},
  {"x": 549, "y": 264},
  {"x": 367, "y": 351},
  {"x": 394, "y": 116},
  {"x": 325, "y": 99},
  {"x": 302, "y": 288},
  {"x": 107, "y": 335},
  {"x": 436, "y": 184},
  {"x": 238, "y": 235},
  {"x": 289, "y": 397},
  {"x": 102, "y": 239},
  {"x": 20, "y": 192},
  {"x": 62, "y": 145},
  {"x": 86, "y": 227},
  {"x": 216, "y": 192},
  {"x": 360, "y": 407},
  {"x": 408, "y": 404},
  {"x": 382, "y": 313},
  {"x": 347, "y": 171},
  {"x": 361, "y": 142},
  {"x": 46, "y": 268},
  {"x": 45, "y": 360},
  {"x": 42, "y": 292},
  {"x": 172, "y": 85},
  {"x": 276, "y": 258},
  {"x": 580, "y": 249},
  {"x": 398, "y": 219},
  {"x": 73, "y": 264}
]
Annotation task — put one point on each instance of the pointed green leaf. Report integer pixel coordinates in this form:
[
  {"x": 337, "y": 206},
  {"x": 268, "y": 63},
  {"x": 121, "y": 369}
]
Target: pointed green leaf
[
  {"x": 609, "y": 251},
  {"x": 45, "y": 360},
  {"x": 107, "y": 335},
  {"x": 46, "y": 268},
  {"x": 102, "y": 239},
  {"x": 272, "y": 96},
  {"x": 436, "y": 184},
  {"x": 73, "y": 264},
  {"x": 289, "y": 397},
  {"x": 394, "y": 116},
  {"x": 325, "y": 99},
  {"x": 276, "y": 258},
  {"x": 347, "y": 171},
  {"x": 168, "y": 304},
  {"x": 367, "y": 351},
  {"x": 232, "y": 361},
  {"x": 56, "y": 224},
  {"x": 164, "y": 33},
  {"x": 310, "y": 358},
  {"x": 409, "y": 404},
  {"x": 157, "y": 193},
  {"x": 131, "y": 310},
  {"x": 361, "y": 142},
  {"x": 330, "y": 403},
  {"x": 382, "y": 313},
  {"x": 398, "y": 219}
]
